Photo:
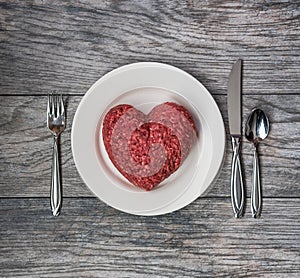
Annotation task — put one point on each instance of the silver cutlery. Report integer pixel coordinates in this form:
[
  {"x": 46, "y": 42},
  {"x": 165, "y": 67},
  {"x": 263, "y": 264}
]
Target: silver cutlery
[
  {"x": 235, "y": 115},
  {"x": 56, "y": 124},
  {"x": 256, "y": 130}
]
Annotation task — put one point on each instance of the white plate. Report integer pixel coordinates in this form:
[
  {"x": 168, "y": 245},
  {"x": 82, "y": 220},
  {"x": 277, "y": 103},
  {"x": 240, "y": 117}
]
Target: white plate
[{"x": 145, "y": 85}]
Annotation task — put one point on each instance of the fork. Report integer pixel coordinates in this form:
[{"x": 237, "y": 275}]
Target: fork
[{"x": 56, "y": 124}]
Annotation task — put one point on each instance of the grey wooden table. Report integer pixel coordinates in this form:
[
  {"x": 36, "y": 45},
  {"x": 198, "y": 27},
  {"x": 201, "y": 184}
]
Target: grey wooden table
[{"x": 66, "y": 46}]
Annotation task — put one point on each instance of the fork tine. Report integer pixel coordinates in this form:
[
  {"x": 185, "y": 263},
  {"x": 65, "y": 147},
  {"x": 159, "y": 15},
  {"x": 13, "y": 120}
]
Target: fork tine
[
  {"x": 53, "y": 104},
  {"x": 57, "y": 106},
  {"x": 62, "y": 108},
  {"x": 48, "y": 105}
]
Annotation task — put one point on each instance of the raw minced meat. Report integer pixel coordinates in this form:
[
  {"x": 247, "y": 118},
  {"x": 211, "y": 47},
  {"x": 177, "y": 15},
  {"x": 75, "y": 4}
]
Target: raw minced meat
[{"x": 146, "y": 149}]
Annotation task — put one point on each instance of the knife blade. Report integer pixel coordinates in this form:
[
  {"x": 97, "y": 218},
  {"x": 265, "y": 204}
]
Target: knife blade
[{"x": 234, "y": 107}]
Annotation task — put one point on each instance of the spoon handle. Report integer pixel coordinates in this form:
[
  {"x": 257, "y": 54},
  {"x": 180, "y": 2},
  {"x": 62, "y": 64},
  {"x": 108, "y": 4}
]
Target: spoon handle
[
  {"x": 237, "y": 186},
  {"x": 256, "y": 187}
]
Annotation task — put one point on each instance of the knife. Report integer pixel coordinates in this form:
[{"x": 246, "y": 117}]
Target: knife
[{"x": 235, "y": 127}]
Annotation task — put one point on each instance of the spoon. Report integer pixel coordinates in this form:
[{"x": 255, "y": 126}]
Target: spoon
[{"x": 256, "y": 130}]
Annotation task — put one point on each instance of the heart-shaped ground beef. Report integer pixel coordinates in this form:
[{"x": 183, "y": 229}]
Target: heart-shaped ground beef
[{"x": 146, "y": 149}]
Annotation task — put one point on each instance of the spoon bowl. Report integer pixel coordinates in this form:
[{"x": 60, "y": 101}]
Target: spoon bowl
[
  {"x": 256, "y": 130},
  {"x": 257, "y": 126}
]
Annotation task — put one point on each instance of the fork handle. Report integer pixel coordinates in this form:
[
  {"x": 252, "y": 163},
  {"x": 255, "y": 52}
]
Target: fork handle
[{"x": 56, "y": 189}]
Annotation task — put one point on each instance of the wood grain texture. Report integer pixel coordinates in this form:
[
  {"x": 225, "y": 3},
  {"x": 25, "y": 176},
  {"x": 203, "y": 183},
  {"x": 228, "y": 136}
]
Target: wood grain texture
[
  {"x": 66, "y": 46},
  {"x": 26, "y": 148},
  {"x": 202, "y": 240}
]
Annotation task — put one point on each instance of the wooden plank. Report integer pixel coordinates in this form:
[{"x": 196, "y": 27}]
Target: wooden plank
[
  {"x": 67, "y": 46},
  {"x": 202, "y": 240},
  {"x": 26, "y": 148}
]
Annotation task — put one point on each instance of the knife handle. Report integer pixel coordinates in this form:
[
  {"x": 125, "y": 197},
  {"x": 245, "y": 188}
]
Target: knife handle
[{"x": 237, "y": 186}]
